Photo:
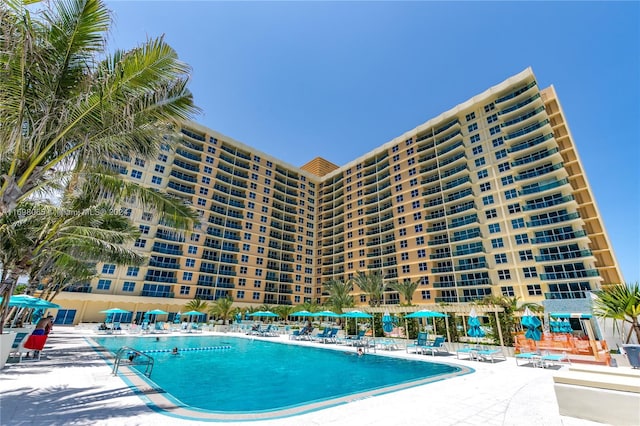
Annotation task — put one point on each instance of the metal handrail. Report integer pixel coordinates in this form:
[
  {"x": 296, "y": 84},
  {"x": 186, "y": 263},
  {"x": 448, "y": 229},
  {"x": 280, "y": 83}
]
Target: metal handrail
[{"x": 135, "y": 357}]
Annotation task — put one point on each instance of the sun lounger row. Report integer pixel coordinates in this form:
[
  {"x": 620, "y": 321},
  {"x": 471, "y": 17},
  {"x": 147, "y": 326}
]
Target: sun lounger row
[
  {"x": 543, "y": 360},
  {"x": 422, "y": 346},
  {"x": 480, "y": 353}
]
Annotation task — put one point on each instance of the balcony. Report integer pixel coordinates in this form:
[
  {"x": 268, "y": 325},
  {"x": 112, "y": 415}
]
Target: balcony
[
  {"x": 539, "y": 171},
  {"x": 183, "y": 176},
  {"x": 186, "y": 166},
  {"x": 566, "y": 295},
  {"x": 181, "y": 188},
  {"x": 564, "y": 256},
  {"x": 523, "y": 117},
  {"x": 526, "y": 130},
  {"x": 542, "y": 186},
  {"x": 149, "y": 293},
  {"x": 515, "y": 93},
  {"x": 546, "y": 202},
  {"x": 530, "y": 143},
  {"x": 159, "y": 264},
  {"x": 190, "y": 156},
  {"x": 570, "y": 275},
  {"x": 519, "y": 105},
  {"x": 532, "y": 158},
  {"x": 193, "y": 135},
  {"x": 554, "y": 238}
]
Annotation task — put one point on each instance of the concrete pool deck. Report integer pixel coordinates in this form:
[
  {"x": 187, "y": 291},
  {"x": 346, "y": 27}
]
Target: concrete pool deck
[{"x": 73, "y": 385}]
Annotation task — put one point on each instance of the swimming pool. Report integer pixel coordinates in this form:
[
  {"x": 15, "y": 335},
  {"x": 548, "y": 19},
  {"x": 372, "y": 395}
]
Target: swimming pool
[{"x": 247, "y": 376}]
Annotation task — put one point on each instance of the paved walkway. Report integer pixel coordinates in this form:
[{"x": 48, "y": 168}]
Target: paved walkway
[{"x": 73, "y": 385}]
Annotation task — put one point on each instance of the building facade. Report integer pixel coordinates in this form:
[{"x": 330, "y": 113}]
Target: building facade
[{"x": 489, "y": 198}]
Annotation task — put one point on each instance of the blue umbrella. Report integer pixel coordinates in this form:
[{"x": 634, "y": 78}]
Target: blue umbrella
[
  {"x": 531, "y": 323},
  {"x": 424, "y": 313},
  {"x": 238, "y": 317},
  {"x": 474, "y": 325},
  {"x": 387, "y": 322},
  {"x": 176, "y": 319},
  {"x": 356, "y": 314},
  {"x": 26, "y": 301}
]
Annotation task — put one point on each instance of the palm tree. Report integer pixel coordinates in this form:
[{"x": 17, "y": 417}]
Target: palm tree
[
  {"x": 620, "y": 302},
  {"x": 284, "y": 311},
  {"x": 69, "y": 108},
  {"x": 372, "y": 285},
  {"x": 67, "y": 104},
  {"x": 339, "y": 295},
  {"x": 405, "y": 288},
  {"x": 308, "y": 306},
  {"x": 222, "y": 309},
  {"x": 197, "y": 305}
]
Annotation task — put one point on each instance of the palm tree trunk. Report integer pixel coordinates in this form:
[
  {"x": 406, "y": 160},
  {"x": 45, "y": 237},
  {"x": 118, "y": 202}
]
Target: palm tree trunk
[{"x": 6, "y": 290}]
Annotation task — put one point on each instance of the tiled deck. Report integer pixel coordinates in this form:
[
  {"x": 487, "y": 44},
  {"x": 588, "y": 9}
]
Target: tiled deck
[{"x": 72, "y": 385}]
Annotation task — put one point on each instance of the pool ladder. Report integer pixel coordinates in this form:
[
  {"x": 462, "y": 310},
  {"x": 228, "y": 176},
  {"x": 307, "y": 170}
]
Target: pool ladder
[{"x": 134, "y": 357}]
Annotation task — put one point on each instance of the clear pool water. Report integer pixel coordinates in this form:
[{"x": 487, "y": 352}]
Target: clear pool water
[{"x": 256, "y": 375}]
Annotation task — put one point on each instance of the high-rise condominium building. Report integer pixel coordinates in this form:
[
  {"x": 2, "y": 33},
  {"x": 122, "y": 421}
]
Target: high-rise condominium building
[{"x": 488, "y": 198}]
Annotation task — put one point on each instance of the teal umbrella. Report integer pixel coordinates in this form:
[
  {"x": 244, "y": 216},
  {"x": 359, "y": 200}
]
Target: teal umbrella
[
  {"x": 157, "y": 312},
  {"x": 263, "y": 314},
  {"x": 26, "y": 301},
  {"x": 115, "y": 311},
  {"x": 356, "y": 315},
  {"x": 426, "y": 314},
  {"x": 301, "y": 314},
  {"x": 474, "y": 325},
  {"x": 532, "y": 325},
  {"x": 325, "y": 314},
  {"x": 387, "y": 322}
]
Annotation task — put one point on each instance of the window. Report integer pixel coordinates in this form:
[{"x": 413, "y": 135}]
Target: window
[
  {"x": 489, "y": 107},
  {"x": 413, "y": 182},
  {"x": 396, "y": 157},
  {"x": 514, "y": 208},
  {"x": 472, "y": 127},
  {"x": 517, "y": 223},
  {"x": 501, "y": 154},
  {"x": 207, "y": 169},
  {"x": 530, "y": 272},
  {"x": 137, "y": 174},
  {"x": 404, "y": 256},
  {"x": 504, "y": 274},
  {"x": 487, "y": 200},
  {"x": 426, "y": 294},
  {"x": 414, "y": 193},
  {"x": 507, "y": 291},
  {"x": 144, "y": 229},
  {"x": 128, "y": 286},
  {"x": 500, "y": 258},
  {"x": 477, "y": 150},
  {"x": 497, "y": 243},
  {"x": 506, "y": 180},
  {"x": 139, "y": 162},
  {"x": 491, "y": 213},
  {"x": 494, "y": 130},
  {"x": 108, "y": 268},
  {"x": 419, "y": 241},
  {"x": 470, "y": 116},
  {"x": 209, "y": 159},
  {"x": 497, "y": 142},
  {"x": 494, "y": 228},
  {"x": 511, "y": 193},
  {"x": 418, "y": 228},
  {"x": 480, "y": 162},
  {"x": 534, "y": 290},
  {"x": 402, "y": 232},
  {"x": 159, "y": 168},
  {"x": 485, "y": 187},
  {"x": 104, "y": 284},
  {"x": 132, "y": 271},
  {"x": 394, "y": 149},
  {"x": 162, "y": 157},
  {"x": 140, "y": 243},
  {"x": 422, "y": 266},
  {"x": 415, "y": 204},
  {"x": 190, "y": 263},
  {"x": 525, "y": 255},
  {"x": 411, "y": 172},
  {"x": 483, "y": 174},
  {"x": 417, "y": 216},
  {"x": 422, "y": 253},
  {"x": 192, "y": 250},
  {"x": 522, "y": 239},
  {"x": 492, "y": 118},
  {"x": 503, "y": 167},
  {"x": 411, "y": 161},
  {"x": 403, "y": 244},
  {"x": 187, "y": 276}
]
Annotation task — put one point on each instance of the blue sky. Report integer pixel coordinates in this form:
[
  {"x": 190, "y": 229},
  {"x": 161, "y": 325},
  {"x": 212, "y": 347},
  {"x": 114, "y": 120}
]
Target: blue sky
[{"x": 336, "y": 79}]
